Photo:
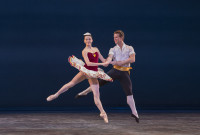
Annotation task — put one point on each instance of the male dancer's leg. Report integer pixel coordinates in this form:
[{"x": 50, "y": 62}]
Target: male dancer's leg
[
  {"x": 113, "y": 73},
  {"x": 126, "y": 84}
]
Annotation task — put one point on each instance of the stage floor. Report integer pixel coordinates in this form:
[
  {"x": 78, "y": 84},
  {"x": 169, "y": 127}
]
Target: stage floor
[{"x": 86, "y": 123}]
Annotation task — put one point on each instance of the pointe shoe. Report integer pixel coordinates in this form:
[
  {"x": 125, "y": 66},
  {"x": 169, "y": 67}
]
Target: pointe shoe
[
  {"x": 104, "y": 116},
  {"x": 79, "y": 96},
  {"x": 136, "y": 118},
  {"x": 52, "y": 97}
]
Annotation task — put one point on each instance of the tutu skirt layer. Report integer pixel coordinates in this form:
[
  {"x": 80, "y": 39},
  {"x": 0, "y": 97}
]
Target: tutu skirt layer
[{"x": 79, "y": 64}]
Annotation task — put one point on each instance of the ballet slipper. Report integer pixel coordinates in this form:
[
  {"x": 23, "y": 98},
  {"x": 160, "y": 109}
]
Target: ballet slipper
[
  {"x": 52, "y": 97},
  {"x": 104, "y": 116}
]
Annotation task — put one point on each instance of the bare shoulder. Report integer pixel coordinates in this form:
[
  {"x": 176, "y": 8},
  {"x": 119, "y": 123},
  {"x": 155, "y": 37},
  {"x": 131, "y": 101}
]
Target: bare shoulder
[{"x": 84, "y": 51}]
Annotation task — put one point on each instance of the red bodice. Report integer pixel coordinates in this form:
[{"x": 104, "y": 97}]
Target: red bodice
[{"x": 93, "y": 57}]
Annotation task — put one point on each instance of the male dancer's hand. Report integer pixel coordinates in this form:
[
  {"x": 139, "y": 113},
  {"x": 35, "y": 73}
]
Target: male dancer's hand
[
  {"x": 118, "y": 63},
  {"x": 113, "y": 62}
]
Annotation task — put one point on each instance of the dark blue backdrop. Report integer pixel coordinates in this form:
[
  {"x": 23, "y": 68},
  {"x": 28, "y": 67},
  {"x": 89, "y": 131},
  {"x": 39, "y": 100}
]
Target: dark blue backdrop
[{"x": 37, "y": 36}]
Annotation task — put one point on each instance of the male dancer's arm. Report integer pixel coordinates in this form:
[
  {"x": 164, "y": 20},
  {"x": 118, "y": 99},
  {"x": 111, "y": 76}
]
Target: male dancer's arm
[
  {"x": 131, "y": 59},
  {"x": 100, "y": 56},
  {"x": 109, "y": 59}
]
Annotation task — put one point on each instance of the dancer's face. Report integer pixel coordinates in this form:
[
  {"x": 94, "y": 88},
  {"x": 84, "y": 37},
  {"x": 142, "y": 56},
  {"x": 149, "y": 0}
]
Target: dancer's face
[
  {"x": 117, "y": 39},
  {"x": 88, "y": 40}
]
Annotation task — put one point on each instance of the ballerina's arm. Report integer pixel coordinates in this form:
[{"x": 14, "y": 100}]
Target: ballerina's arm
[
  {"x": 84, "y": 53},
  {"x": 100, "y": 56}
]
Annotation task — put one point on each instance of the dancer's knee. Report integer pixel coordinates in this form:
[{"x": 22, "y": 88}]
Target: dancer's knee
[
  {"x": 96, "y": 101},
  {"x": 71, "y": 84}
]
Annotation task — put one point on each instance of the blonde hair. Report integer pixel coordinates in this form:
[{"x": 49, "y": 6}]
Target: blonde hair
[{"x": 120, "y": 33}]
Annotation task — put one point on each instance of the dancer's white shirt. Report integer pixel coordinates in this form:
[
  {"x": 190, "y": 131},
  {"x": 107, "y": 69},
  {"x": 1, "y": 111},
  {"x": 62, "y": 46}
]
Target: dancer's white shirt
[{"x": 122, "y": 54}]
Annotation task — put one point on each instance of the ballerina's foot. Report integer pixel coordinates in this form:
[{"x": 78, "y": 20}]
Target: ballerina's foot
[
  {"x": 104, "y": 116},
  {"x": 52, "y": 97}
]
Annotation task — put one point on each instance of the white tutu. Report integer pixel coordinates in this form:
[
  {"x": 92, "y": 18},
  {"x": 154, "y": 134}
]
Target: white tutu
[{"x": 79, "y": 64}]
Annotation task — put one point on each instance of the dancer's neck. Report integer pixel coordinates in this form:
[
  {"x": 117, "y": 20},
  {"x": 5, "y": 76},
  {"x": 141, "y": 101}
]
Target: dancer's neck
[
  {"x": 120, "y": 44},
  {"x": 88, "y": 46}
]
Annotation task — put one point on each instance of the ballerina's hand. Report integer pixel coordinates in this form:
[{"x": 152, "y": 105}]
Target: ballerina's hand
[{"x": 105, "y": 64}]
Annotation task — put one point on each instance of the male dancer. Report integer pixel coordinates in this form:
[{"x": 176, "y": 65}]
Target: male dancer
[{"x": 122, "y": 56}]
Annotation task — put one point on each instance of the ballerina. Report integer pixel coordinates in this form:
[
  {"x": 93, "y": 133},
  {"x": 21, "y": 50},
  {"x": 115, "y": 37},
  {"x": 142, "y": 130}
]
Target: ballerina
[{"x": 88, "y": 70}]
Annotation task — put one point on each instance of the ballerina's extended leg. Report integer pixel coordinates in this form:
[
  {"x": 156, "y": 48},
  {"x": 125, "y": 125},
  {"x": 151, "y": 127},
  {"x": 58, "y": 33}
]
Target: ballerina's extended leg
[{"x": 77, "y": 79}]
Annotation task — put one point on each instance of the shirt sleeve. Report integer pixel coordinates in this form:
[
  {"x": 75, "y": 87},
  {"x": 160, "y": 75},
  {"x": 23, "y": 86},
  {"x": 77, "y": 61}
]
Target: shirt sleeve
[
  {"x": 111, "y": 51},
  {"x": 131, "y": 51}
]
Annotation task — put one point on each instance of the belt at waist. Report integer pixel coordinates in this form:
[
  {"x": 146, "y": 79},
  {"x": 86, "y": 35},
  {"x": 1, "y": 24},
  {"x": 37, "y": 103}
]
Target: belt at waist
[{"x": 122, "y": 68}]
